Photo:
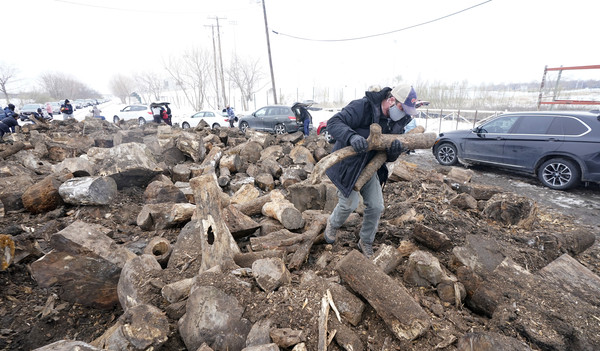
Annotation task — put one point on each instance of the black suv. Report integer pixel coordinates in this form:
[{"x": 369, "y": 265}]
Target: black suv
[{"x": 561, "y": 147}]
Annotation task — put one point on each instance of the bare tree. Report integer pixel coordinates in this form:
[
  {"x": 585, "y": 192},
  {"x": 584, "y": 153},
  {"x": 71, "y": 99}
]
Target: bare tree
[
  {"x": 121, "y": 86},
  {"x": 246, "y": 76},
  {"x": 53, "y": 83},
  {"x": 7, "y": 73},
  {"x": 191, "y": 72},
  {"x": 149, "y": 84},
  {"x": 61, "y": 85}
]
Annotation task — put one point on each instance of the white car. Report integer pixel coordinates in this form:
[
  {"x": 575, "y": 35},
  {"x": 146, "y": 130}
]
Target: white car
[
  {"x": 141, "y": 113},
  {"x": 213, "y": 118}
]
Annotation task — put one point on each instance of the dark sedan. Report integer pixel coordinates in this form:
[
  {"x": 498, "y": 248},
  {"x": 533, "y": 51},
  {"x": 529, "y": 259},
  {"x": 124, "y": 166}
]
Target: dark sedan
[
  {"x": 277, "y": 119},
  {"x": 561, "y": 147}
]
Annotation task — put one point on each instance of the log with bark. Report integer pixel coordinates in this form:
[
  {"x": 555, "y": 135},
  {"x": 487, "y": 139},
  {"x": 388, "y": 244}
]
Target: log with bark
[
  {"x": 378, "y": 161},
  {"x": 392, "y": 301},
  {"x": 12, "y": 149},
  {"x": 376, "y": 141}
]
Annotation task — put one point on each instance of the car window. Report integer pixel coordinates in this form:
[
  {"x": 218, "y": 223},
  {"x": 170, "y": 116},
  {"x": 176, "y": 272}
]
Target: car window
[
  {"x": 127, "y": 109},
  {"x": 532, "y": 125},
  {"x": 262, "y": 112},
  {"x": 197, "y": 115},
  {"x": 209, "y": 114},
  {"x": 567, "y": 126},
  {"x": 499, "y": 125},
  {"x": 139, "y": 108}
]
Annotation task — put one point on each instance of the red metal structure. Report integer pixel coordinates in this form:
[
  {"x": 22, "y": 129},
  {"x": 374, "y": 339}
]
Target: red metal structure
[{"x": 563, "y": 102}]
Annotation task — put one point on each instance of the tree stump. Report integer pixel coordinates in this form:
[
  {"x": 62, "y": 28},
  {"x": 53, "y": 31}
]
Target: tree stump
[{"x": 218, "y": 246}]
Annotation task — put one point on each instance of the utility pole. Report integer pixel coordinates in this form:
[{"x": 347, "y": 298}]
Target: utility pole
[
  {"x": 221, "y": 61},
  {"x": 215, "y": 60},
  {"x": 270, "y": 59}
]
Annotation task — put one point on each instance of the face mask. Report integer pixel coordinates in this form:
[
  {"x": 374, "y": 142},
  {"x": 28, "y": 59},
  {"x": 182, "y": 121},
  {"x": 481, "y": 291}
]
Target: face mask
[{"x": 396, "y": 114}]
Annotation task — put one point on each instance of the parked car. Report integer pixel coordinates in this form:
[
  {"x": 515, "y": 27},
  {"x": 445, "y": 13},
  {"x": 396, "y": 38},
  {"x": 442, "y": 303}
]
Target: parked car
[
  {"x": 215, "y": 119},
  {"x": 28, "y": 109},
  {"x": 277, "y": 119},
  {"x": 142, "y": 113},
  {"x": 561, "y": 147},
  {"x": 322, "y": 130}
]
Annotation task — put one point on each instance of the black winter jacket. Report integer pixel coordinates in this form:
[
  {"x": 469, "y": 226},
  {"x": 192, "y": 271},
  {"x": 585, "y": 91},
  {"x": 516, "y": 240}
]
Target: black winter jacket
[
  {"x": 356, "y": 118},
  {"x": 8, "y": 124}
]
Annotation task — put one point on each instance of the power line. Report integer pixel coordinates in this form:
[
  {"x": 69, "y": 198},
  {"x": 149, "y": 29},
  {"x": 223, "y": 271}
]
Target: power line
[
  {"x": 386, "y": 33},
  {"x": 144, "y": 10}
]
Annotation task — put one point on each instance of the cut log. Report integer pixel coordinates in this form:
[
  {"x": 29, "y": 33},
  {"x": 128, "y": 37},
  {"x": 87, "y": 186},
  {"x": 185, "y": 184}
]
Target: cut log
[
  {"x": 164, "y": 215},
  {"x": 160, "y": 248},
  {"x": 12, "y": 149},
  {"x": 377, "y": 141},
  {"x": 285, "y": 212},
  {"x": 232, "y": 162},
  {"x": 246, "y": 259},
  {"x": 177, "y": 291},
  {"x": 431, "y": 238},
  {"x": 43, "y": 196},
  {"x": 405, "y": 317},
  {"x": 238, "y": 223},
  {"x": 143, "y": 327},
  {"x": 224, "y": 177},
  {"x": 253, "y": 207},
  {"x": 89, "y": 191},
  {"x": 370, "y": 169},
  {"x": 378, "y": 161},
  {"x": 218, "y": 246},
  {"x": 309, "y": 237}
]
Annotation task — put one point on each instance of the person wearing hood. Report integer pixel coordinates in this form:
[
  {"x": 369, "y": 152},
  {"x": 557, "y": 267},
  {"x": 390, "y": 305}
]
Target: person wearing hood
[
  {"x": 8, "y": 122},
  {"x": 67, "y": 110},
  {"x": 351, "y": 127}
]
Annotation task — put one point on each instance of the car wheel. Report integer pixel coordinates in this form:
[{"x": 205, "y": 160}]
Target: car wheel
[
  {"x": 279, "y": 129},
  {"x": 185, "y": 125},
  {"x": 446, "y": 154},
  {"x": 244, "y": 126},
  {"x": 116, "y": 120},
  {"x": 216, "y": 125},
  {"x": 559, "y": 174},
  {"x": 141, "y": 121}
]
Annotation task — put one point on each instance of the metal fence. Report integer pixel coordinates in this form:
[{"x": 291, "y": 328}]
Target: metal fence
[{"x": 448, "y": 119}]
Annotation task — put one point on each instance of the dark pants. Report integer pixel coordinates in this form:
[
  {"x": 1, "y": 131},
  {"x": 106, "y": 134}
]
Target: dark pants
[
  {"x": 306, "y": 125},
  {"x": 157, "y": 119}
]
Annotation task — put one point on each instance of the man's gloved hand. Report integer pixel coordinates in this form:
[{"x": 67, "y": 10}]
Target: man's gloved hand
[
  {"x": 359, "y": 144},
  {"x": 394, "y": 151}
]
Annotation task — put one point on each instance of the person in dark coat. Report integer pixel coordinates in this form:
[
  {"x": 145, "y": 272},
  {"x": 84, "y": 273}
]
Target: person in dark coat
[
  {"x": 9, "y": 111},
  {"x": 67, "y": 110},
  {"x": 351, "y": 127},
  {"x": 305, "y": 118},
  {"x": 8, "y": 121},
  {"x": 230, "y": 116}
]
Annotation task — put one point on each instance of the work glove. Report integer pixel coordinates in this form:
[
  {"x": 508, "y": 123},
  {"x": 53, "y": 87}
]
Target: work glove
[
  {"x": 359, "y": 144},
  {"x": 394, "y": 151}
]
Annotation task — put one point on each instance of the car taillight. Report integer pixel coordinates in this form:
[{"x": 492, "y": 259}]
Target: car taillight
[
  {"x": 292, "y": 118},
  {"x": 149, "y": 112}
]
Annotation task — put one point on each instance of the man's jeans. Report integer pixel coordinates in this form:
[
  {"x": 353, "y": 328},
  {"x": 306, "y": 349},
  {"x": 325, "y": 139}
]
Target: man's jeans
[{"x": 373, "y": 200}]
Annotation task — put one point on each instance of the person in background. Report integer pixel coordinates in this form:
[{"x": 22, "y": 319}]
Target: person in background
[
  {"x": 96, "y": 112},
  {"x": 9, "y": 111},
  {"x": 305, "y": 118},
  {"x": 8, "y": 120},
  {"x": 167, "y": 115},
  {"x": 351, "y": 127},
  {"x": 49, "y": 109},
  {"x": 157, "y": 113},
  {"x": 67, "y": 110},
  {"x": 230, "y": 116}
]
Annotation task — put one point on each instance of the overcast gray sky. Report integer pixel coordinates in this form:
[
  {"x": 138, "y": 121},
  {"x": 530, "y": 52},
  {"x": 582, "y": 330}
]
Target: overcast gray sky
[{"x": 497, "y": 41}]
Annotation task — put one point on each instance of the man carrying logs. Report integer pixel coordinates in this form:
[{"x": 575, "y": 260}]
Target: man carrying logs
[{"x": 353, "y": 127}]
